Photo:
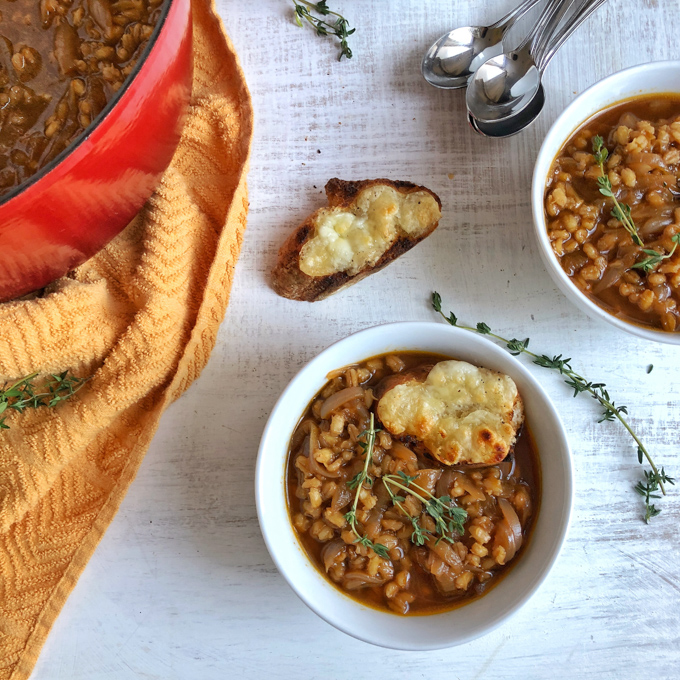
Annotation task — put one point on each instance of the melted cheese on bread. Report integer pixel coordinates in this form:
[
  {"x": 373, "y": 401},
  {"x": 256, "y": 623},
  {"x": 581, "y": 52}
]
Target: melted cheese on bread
[
  {"x": 461, "y": 413},
  {"x": 350, "y": 239}
]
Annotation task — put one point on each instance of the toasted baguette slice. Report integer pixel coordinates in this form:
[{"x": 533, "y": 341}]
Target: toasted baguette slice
[
  {"x": 367, "y": 225},
  {"x": 460, "y": 413}
]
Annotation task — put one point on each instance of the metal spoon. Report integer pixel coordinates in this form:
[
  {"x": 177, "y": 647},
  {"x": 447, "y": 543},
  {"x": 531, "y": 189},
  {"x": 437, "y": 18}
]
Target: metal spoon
[
  {"x": 518, "y": 82},
  {"x": 511, "y": 126},
  {"x": 451, "y": 61},
  {"x": 504, "y": 84}
]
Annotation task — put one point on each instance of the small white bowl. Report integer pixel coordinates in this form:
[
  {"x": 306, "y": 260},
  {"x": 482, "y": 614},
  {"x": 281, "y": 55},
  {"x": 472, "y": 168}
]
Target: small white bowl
[
  {"x": 655, "y": 77},
  {"x": 479, "y": 616}
]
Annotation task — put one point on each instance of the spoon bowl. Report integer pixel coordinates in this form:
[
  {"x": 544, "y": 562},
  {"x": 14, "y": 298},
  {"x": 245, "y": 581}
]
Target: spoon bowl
[
  {"x": 506, "y": 95},
  {"x": 513, "y": 125},
  {"x": 503, "y": 86},
  {"x": 450, "y": 62}
]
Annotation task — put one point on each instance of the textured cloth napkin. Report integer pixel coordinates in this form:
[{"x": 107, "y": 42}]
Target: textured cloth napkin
[{"x": 141, "y": 318}]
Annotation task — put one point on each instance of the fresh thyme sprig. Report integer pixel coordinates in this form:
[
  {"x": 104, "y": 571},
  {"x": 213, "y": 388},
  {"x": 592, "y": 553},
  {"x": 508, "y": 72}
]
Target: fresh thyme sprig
[
  {"x": 357, "y": 482},
  {"x": 338, "y": 27},
  {"x": 648, "y": 489},
  {"x": 655, "y": 258},
  {"x": 621, "y": 211},
  {"x": 25, "y": 394},
  {"x": 654, "y": 479},
  {"x": 449, "y": 519}
]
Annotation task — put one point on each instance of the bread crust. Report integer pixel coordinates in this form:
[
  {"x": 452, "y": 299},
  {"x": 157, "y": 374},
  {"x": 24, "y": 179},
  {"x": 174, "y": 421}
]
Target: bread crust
[{"x": 289, "y": 281}]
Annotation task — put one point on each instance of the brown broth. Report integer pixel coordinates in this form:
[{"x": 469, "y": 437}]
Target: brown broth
[
  {"x": 653, "y": 194},
  {"x": 61, "y": 62},
  {"x": 428, "y": 597}
]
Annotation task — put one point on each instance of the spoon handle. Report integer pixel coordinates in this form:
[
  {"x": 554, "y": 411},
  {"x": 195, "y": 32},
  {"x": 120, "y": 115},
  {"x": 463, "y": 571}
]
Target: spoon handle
[
  {"x": 539, "y": 44},
  {"x": 563, "y": 34},
  {"x": 547, "y": 21},
  {"x": 514, "y": 15}
]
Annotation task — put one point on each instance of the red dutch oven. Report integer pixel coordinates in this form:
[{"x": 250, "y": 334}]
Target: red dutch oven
[{"x": 75, "y": 205}]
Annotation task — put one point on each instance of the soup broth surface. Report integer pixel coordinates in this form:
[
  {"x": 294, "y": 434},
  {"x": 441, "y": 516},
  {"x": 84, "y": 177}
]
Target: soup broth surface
[
  {"x": 413, "y": 578},
  {"x": 602, "y": 257}
]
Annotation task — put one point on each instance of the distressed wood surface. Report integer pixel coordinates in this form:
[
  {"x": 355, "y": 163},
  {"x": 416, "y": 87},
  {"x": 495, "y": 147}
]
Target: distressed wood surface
[{"x": 182, "y": 585}]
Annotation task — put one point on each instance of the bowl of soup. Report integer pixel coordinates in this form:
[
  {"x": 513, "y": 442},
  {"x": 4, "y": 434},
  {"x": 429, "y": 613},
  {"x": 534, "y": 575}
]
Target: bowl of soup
[
  {"x": 385, "y": 534},
  {"x": 93, "y": 96},
  {"x": 605, "y": 200}
]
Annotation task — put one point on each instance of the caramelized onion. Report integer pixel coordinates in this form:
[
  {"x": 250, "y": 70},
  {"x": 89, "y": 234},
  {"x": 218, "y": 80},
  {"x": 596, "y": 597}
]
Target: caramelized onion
[
  {"x": 610, "y": 277},
  {"x": 513, "y": 522},
  {"x": 652, "y": 159},
  {"x": 445, "y": 482},
  {"x": 355, "y": 580},
  {"x": 444, "y": 551},
  {"x": 443, "y": 575},
  {"x": 662, "y": 292},
  {"x": 401, "y": 452},
  {"x": 435, "y": 565},
  {"x": 465, "y": 484},
  {"x": 384, "y": 499},
  {"x": 426, "y": 479},
  {"x": 373, "y": 526},
  {"x": 507, "y": 467},
  {"x": 341, "y": 497},
  {"x": 331, "y": 551},
  {"x": 654, "y": 225},
  {"x": 311, "y": 445},
  {"x": 300, "y": 433},
  {"x": 364, "y": 416},
  {"x": 505, "y": 538},
  {"x": 335, "y": 401}
]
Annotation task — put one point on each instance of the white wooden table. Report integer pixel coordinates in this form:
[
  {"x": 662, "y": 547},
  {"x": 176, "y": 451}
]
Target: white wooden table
[{"x": 182, "y": 585}]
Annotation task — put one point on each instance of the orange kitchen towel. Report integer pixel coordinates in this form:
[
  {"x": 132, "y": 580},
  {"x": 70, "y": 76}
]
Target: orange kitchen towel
[{"x": 141, "y": 318}]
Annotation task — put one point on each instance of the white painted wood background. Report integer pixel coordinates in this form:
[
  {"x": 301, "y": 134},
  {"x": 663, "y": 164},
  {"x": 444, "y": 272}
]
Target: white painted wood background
[{"x": 182, "y": 585}]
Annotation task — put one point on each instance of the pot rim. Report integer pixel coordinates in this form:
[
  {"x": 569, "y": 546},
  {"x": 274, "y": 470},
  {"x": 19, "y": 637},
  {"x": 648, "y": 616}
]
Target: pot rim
[{"x": 110, "y": 105}]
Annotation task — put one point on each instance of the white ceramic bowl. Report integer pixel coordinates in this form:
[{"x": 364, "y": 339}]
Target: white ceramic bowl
[
  {"x": 655, "y": 77},
  {"x": 382, "y": 628}
]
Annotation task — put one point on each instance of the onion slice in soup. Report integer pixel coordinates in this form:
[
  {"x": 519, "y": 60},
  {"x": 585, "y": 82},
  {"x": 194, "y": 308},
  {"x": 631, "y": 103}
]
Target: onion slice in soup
[
  {"x": 331, "y": 551},
  {"x": 310, "y": 445},
  {"x": 611, "y": 277},
  {"x": 445, "y": 482},
  {"x": 445, "y": 552},
  {"x": 354, "y": 580},
  {"x": 402, "y": 452},
  {"x": 512, "y": 526},
  {"x": 335, "y": 401},
  {"x": 468, "y": 486},
  {"x": 341, "y": 497}
]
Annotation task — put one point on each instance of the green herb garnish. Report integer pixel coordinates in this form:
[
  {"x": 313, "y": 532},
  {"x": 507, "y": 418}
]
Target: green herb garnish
[
  {"x": 357, "y": 482},
  {"x": 448, "y": 518},
  {"x": 25, "y": 394},
  {"x": 653, "y": 482},
  {"x": 338, "y": 27},
  {"x": 649, "y": 264},
  {"x": 654, "y": 479},
  {"x": 621, "y": 211}
]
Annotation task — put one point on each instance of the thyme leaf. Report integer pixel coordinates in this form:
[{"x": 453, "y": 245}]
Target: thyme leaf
[
  {"x": 357, "y": 483},
  {"x": 448, "y": 518},
  {"x": 621, "y": 211},
  {"x": 655, "y": 479},
  {"x": 26, "y": 394},
  {"x": 337, "y": 26},
  {"x": 649, "y": 264}
]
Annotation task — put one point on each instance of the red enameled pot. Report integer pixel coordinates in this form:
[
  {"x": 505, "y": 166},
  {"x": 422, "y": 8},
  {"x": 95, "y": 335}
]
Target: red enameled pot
[{"x": 75, "y": 205}]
